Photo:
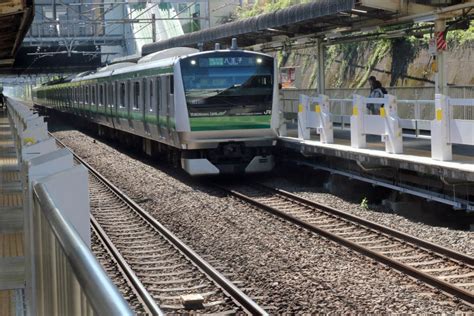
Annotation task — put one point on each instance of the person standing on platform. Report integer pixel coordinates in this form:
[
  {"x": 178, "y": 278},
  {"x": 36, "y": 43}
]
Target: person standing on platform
[
  {"x": 376, "y": 91},
  {"x": 2, "y": 100}
]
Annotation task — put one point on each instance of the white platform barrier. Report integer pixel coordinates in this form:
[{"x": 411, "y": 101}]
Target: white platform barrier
[
  {"x": 386, "y": 124},
  {"x": 313, "y": 112},
  {"x": 62, "y": 275},
  {"x": 446, "y": 131},
  {"x": 30, "y": 131}
]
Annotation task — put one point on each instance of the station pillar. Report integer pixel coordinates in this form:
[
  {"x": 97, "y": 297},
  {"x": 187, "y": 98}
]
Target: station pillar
[
  {"x": 441, "y": 75},
  {"x": 321, "y": 72}
]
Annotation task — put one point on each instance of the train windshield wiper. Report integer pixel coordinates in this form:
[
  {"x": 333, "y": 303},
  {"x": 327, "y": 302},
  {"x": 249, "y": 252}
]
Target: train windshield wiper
[{"x": 203, "y": 93}]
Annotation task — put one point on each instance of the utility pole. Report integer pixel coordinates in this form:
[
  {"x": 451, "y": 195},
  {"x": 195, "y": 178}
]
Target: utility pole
[{"x": 153, "y": 27}]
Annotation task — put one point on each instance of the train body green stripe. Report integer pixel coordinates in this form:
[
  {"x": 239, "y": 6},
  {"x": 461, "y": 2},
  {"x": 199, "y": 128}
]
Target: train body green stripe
[{"x": 229, "y": 122}]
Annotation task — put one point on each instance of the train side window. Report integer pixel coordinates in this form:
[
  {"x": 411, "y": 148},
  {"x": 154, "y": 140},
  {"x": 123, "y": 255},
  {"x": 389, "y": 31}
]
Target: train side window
[
  {"x": 93, "y": 96},
  {"x": 87, "y": 95},
  {"x": 144, "y": 87},
  {"x": 101, "y": 95},
  {"x": 110, "y": 95},
  {"x": 122, "y": 94},
  {"x": 171, "y": 84},
  {"x": 136, "y": 94},
  {"x": 115, "y": 89},
  {"x": 151, "y": 88}
]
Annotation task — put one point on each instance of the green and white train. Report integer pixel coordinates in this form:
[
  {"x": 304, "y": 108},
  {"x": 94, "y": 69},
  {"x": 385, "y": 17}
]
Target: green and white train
[{"x": 216, "y": 110}]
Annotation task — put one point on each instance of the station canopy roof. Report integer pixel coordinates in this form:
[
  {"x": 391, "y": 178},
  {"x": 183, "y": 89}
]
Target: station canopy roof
[
  {"x": 321, "y": 18},
  {"x": 15, "y": 19}
]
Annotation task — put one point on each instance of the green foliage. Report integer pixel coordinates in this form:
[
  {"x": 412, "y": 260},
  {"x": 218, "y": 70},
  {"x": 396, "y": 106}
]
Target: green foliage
[
  {"x": 461, "y": 37},
  {"x": 404, "y": 51},
  {"x": 265, "y": 6},
  {"x": 138, "y": 6},
  {"x": 380, "y": 49},
  {"x": 350, "y": 52},
  {"x": 165, "y": 6},
  {"x": 364, "y": 203},
  {"x": 351, "y": 56},
  {"x": 280, "y": 58}
]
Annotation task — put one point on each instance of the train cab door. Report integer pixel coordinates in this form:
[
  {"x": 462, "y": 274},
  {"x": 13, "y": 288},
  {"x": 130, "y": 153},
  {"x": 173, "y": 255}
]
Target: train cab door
[
  {"x": 164, "y": 108},
  {"x": 113, "y": 102},
  {"x": 168, "y": 95},
  {"x": 171, "y": 110},
  {"x": 130, "y": 104},
  {"x": 108, "y": 101},
  {"x": 158, "y": 104},
  {"x": 146, "y": 104}
]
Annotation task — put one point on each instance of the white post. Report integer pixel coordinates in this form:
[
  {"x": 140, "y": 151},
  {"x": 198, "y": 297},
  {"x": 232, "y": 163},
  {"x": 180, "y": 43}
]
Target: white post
[
  {"x": 326, "y": 128},
  {"x": 441, "y": 148},
  {"x": 359, "y": 109},
  {"x": 303, "y": 131},
  {"x": 393, "y": 131}
]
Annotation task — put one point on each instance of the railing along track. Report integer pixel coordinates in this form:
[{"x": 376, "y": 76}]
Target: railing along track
[
  {"x": 159, "y": 265},
  {"x": 442, "y": 268}
]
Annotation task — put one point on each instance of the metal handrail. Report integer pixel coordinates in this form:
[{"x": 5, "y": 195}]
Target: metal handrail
[{"x": 102, "y": 294}]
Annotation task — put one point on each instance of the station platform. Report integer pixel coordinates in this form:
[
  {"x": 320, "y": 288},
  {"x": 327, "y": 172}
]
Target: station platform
[
  {"x": 415, "y": 157},
  {"x": 12, "y": 260}
]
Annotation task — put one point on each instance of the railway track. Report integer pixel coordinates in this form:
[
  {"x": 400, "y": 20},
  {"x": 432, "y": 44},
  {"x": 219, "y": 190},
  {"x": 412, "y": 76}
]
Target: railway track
[
  {"x": 164, "y": 274},
  {"x": 109, "y": 263},
  {"x": 439, "y": 267}
]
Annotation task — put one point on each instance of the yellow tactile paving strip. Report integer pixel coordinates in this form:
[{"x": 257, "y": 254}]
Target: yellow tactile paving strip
[
  {"x": 11, "y": 245},
  {"x": 6, "y": 143},
  {"x": 8, "y": 161},
  {"x": 7, "y": 303},
  {"x": 11, "y": 200},
  {"x": 9, "y": 176}
]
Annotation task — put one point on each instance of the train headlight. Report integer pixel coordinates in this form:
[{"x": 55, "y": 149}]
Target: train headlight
[
  {"x": 193, "y": 62},
  {"x": 259, "y": 60}
]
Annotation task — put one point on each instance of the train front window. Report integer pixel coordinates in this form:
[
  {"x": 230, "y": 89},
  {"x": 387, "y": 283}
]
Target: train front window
[{"x": 228, "y": 84}]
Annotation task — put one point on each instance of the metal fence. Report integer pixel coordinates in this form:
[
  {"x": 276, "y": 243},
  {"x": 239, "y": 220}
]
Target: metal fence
[
  {"x": 62, "y": 276},
  {"x": 70, "y": 279},
  {"x": 415, "y": 103}
]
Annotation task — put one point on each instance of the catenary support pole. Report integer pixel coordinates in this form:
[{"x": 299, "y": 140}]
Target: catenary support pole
[
  {"x": 441, "y": 84},
  {"x": 321, "y": 72}
]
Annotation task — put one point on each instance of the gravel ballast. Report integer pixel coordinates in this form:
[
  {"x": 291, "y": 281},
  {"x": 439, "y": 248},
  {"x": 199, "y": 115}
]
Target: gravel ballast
[
  {"x": 459, "y": 240},
  {"x": 286, "y": 268}
]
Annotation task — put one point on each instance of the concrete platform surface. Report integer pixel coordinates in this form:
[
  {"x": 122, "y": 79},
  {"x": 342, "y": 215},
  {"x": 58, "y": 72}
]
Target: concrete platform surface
[
  {"x": 416, "y": 156},
  {"x": 12, "y": 270}
]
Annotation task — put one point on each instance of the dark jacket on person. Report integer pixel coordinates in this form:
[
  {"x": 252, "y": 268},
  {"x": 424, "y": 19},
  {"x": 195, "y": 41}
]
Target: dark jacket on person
[{"x": 376, "y": 92}]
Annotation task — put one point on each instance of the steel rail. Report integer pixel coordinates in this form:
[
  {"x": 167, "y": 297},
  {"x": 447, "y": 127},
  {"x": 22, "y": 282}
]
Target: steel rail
[
  {"x": 233, "y": 291},
  {"x": 468, "y": 260},
  {"x": 406, "y": 269},
  {"x": 144, "y": 296}
]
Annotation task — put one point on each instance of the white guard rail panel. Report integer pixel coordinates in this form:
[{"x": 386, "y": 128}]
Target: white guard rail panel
[
  {"x": 386, "y": 124},
  {"x": 462, "y": 131},
  {"x": 446, "y": 131},
  {"x": 313, "y": 112}
]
